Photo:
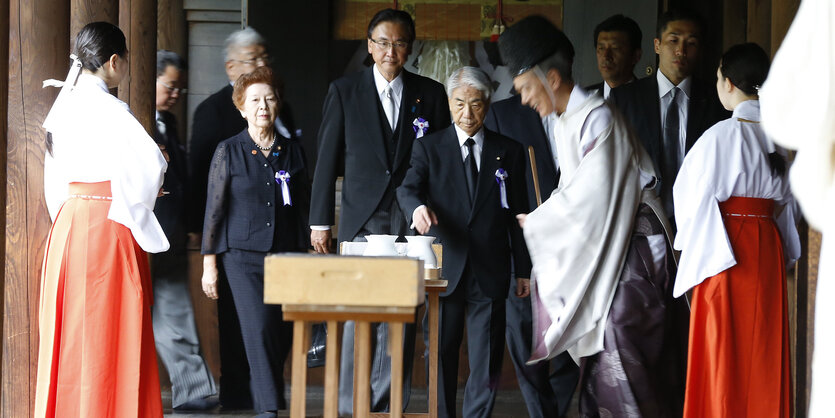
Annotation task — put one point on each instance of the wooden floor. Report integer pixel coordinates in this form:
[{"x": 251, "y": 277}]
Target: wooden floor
[{"x": 509, "y": 404}]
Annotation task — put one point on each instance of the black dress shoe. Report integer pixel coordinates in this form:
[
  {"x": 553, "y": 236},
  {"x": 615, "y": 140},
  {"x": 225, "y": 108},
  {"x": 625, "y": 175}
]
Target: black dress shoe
[{"x": 202, "y": 404}]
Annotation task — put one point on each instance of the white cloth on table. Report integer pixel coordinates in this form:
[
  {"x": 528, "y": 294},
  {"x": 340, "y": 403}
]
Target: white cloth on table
[
  {"x": 96, "y": 138},
  {"x": 730, "y": 159},
  {"x": 803, "y": 118}
]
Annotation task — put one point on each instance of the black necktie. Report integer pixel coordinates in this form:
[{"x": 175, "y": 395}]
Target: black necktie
[
  {"x": 471, "y": 168},
  {"x": 672, "y": 147}
]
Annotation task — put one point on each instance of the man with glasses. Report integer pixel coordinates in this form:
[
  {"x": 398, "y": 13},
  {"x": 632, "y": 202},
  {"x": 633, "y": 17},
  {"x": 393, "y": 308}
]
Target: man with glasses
[
  {"x": 175, "y": 334},
  {"x": 215, "y": 120},
  {"x": 369, "y": 122}
]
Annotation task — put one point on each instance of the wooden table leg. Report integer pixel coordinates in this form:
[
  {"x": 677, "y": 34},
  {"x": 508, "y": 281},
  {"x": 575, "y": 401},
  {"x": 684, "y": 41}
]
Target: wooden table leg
[
  {"x": 362, "y": 369},
  {"x": 301, "y": 340},
  {"x": 434, "y": 309},
  {"x": 332, "y": 352},
  {"x": 396, "y": 353}
]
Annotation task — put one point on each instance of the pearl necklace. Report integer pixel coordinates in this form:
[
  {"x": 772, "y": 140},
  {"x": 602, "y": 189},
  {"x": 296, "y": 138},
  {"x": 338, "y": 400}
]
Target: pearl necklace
[{"x": 268, "y": 147}]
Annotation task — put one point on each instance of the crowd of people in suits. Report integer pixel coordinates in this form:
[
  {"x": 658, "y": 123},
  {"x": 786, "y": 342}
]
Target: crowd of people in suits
[{"x": 572, "y": 267}]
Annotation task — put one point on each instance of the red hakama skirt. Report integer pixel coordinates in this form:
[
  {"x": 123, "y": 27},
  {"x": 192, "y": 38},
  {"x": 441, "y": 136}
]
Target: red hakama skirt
[
  {"x": 738, "y": 361},
  {"x": 96, "y": 356}
]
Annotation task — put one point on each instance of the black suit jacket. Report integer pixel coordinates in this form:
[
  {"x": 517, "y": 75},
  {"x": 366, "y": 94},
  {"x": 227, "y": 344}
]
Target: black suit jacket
[
  {"x": 482, "y": 235},
  {"x": 215, "y": 120},
  {"x": 246, "y": 209},
  {"x": 640, "y": 104},
  {"x": 170, "y": 209},
  {"x": 511, "y": 118},
  {"x": 351, "y": 144}
]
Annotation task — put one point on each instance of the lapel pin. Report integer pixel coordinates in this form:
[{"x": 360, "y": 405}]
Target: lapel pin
[
  {"x": 417, "y": 100},
  {"x": 254, "y": 152},
  {"x": 279, "y": 147},
  {"x": 498, "y": 158}
]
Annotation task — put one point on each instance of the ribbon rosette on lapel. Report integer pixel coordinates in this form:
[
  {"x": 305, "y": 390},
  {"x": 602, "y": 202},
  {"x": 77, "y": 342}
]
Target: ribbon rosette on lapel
[
  {"x": 501, "y": 175},
  {"x": 283, "y": 178},
  {"x": 421, "y": 126}
]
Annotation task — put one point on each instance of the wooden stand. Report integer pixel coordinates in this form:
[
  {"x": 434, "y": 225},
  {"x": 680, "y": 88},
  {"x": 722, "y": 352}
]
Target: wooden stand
[
  {"x": 304, "y": 315},
  {"x": 290, "y": 280}
]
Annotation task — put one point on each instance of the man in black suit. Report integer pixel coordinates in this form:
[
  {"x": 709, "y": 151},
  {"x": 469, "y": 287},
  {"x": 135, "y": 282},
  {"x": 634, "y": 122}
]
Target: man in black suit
[
  {"x": 646, "y": 103},
  {"x": 215, "y": 120},
  {"x": 617, "y": 43},
  {"x": 175, "y": 334},
  {"x": 546, "y": 386},
  {"x": 465, "y": 186},
  {"x": 369, "y": 122}
]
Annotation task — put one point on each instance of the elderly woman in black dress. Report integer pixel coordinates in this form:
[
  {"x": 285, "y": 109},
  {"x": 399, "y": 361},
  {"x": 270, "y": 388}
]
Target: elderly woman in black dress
[{"x": 258, "y": 198}]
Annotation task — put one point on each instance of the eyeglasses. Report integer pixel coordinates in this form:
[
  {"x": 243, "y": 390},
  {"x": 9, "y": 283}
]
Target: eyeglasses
[
  {"x": 385, "y": 45},
  {"x": 266, "y": 59},
  {"x": 172, "y": 89}
]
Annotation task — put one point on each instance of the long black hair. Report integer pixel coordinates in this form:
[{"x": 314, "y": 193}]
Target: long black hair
[{"x": 746, "y": 66}]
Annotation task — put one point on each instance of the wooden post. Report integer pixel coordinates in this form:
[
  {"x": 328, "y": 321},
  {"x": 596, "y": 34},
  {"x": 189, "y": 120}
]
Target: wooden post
[
  {"x": 759, "y": 23},
  {"x": 138, "y": 19},
  {"x": 38, "y": 49},
  {"x": 4, "y": 97},
  {"x": 83, "y": 12}
]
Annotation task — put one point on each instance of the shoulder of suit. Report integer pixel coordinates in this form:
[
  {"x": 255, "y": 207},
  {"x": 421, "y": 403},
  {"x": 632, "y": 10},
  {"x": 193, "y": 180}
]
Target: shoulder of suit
[
  {"x": 503, "y": 139},
  {"x": 349, "y": 80}
]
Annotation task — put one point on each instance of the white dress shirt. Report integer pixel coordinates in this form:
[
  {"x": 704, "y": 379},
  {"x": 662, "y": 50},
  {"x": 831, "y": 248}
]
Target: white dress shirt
[
  {"x": 665, "y": 95},
  {"x": 396, "y": 91},
  {"x": 478, "y": 137}
]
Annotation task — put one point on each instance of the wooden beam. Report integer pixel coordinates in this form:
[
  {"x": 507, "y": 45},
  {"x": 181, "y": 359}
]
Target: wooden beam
[
  {"x": 83, "y": 12},
  {"x": 759, "y": 23},
  {"x": 38, "y": 49},
  {"x": 734, "y": 14},
  {"x": 782, "y": 15},
  {"x": 138, "y": 20}
]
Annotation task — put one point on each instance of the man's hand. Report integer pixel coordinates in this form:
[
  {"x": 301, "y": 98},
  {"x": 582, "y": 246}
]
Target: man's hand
[
  {"x": 521, "y": 218},
  {"x": 523, "y": 287},
  {"x": 321, "y": 240},
  {"x": 423, "y": 219}
]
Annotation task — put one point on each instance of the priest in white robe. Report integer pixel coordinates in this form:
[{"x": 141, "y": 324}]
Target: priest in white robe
[{"x": 603, "y": 266}]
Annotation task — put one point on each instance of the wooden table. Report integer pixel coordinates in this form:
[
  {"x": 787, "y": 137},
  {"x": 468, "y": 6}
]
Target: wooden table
[{"x": 304, "y": 315}]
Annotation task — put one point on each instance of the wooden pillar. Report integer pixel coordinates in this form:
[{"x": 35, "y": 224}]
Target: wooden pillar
[
  {"x": 782, "y": 15},
  {"x": 171, "y": 35},
  {"x": 759, "y": 23},
  {"x": 83, "y": 12},
  {"x": 4, "y": 97},
  {"x": 138, "y": 19},
  {"x": 38, "y": 49}
]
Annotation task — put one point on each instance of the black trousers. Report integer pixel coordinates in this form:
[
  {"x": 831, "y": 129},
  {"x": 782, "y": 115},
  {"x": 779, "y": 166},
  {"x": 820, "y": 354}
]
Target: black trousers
[
  {"x": 267, "y": 338},
  {"x": 485, "y": 324},
  {"x": 234, "y": 369}
]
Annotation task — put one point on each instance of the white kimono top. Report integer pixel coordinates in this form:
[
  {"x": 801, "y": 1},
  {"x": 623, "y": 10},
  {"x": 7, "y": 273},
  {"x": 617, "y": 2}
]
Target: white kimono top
[
  {"x": 730, "y": 159},
  {"x": 579, "y": 237},
  {"x": 96, "y": 138}
]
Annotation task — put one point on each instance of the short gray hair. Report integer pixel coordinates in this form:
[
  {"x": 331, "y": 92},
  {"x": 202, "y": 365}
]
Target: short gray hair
[
  {"x": 470, "y": 76},
  {"x": 243, "y": 38}
]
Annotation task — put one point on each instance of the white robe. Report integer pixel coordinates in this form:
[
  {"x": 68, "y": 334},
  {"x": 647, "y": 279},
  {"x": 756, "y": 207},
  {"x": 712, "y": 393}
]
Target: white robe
[
  {"x": 96, "y": 138},
  {"x": 730, "y": 159},
  {"x": 579, "y": 237},
  {"x": 798, "y": 107}
]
